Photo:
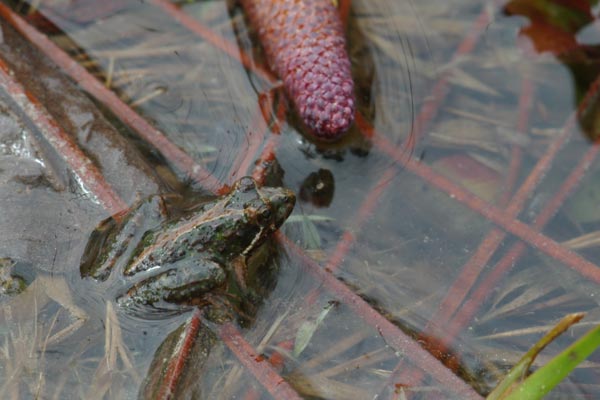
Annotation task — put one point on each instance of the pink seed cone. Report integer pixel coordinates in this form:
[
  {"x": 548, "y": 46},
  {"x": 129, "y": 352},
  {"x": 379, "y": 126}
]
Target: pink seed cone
[{"x": 304, "y": 43}]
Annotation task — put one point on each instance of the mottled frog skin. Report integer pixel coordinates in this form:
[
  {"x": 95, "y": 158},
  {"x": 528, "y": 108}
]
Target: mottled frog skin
[{"x": 175, "y": 261}]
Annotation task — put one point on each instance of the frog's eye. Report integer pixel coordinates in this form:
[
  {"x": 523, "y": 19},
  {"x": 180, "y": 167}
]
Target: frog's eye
[{"x": 264, "y": 215}]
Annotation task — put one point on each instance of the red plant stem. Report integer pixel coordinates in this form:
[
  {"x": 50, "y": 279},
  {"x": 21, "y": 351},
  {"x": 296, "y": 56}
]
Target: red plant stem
[
  {"x": 177, "y": 364},
  {"x": 218, "y": 41},
  {"x": 506, "y": 222},
  {"x": 144, "y": 129},
  {"x": 461, "y": 287},
  {"x": 492, "y": 213},
  {"x": 389, "y": 332},
  {"x": 64, "y": 144},
  {"x": 255, "y": 135},
  {"x": 473, "y": 268},
  {"x": 344, "y": 9},
  {"x": 478, "y": 297},
  {"x": 262, "y": 370},
  {"x": 279, "y": 117},
  {"x": 364, "y": 212}
]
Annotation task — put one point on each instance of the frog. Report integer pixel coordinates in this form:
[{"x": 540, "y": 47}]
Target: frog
[{"x": 165, "y": 261}]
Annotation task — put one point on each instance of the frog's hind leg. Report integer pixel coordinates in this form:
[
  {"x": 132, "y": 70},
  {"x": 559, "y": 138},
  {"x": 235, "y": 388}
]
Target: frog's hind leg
[
  {"x": 179, "y": 282},
  {"x": 115, "y": 238}
]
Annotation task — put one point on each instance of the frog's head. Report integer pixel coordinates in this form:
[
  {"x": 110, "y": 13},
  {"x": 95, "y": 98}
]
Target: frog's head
[{"x": 266, "y": 207}]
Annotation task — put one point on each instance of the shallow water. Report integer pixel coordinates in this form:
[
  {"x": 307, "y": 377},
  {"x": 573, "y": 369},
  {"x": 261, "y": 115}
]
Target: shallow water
[{"x": 412, "y": 238}]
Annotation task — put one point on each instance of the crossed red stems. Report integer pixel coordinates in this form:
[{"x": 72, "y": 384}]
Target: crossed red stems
[{"x": 454, "y": 312}]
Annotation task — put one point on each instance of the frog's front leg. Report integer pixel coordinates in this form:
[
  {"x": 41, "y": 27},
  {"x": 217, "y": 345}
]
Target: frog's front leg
[
  {"x": 113, "y": 238},
  {"x": 178, "y": 282}
]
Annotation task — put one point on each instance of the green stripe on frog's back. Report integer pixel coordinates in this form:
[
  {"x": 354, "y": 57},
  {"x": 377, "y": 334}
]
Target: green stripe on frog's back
[{"x": 200, "y": 234}]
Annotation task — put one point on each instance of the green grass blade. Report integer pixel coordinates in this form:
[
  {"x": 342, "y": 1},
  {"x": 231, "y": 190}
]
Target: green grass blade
[
  {"x": 520, "y": 370},
  {"x": 547, "y": 377}
]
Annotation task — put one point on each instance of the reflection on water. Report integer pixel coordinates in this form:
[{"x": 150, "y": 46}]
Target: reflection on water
[
  {"x": 318, "y": 188},
  {"x": 415, "y": 249}
]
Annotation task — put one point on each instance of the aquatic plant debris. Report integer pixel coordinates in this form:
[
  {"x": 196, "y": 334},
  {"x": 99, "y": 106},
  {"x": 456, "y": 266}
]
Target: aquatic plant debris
[
  {"x": 341, "y": 261},
  {"x": 305, "y": 45}
]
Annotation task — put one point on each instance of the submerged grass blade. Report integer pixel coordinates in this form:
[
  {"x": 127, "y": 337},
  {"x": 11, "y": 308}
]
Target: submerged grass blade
[{"x": 308, "y": 329}]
